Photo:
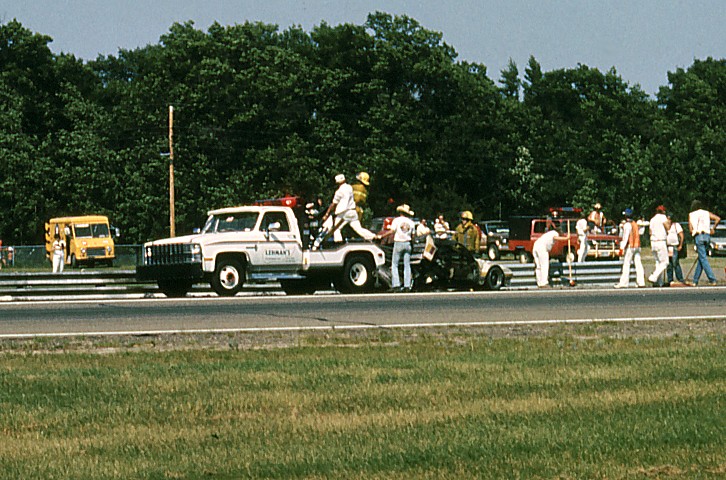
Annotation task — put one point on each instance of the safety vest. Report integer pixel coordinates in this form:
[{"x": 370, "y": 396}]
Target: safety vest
[{"x": 634, "y": 240}]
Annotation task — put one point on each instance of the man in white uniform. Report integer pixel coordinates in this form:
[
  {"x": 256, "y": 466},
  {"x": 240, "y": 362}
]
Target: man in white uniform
[
  {"x": 541, "y": 252},
  {"x": 58, "y": 249},
  {"x": 630, "y": 248},
  {"x": 343, "y": 209},
  {"x": 659, "y": 226},
  {"x": 582, "y": 228}
]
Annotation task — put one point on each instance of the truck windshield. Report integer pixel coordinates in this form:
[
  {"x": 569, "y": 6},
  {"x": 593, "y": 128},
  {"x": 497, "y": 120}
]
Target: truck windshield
[
  {"x": 94, "y": 230},
  {"x": 231, "y": 222}
]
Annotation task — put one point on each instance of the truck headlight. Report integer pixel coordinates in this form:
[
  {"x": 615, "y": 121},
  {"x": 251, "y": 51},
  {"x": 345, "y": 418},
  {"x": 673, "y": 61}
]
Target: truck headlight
[{"x": 196, "y": 252}]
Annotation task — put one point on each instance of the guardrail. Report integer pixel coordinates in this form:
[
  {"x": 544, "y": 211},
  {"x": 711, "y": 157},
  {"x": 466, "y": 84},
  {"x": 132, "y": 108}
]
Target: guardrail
[{"x": 17, "y": 285}]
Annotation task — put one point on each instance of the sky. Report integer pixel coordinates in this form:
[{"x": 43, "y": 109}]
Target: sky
[{"x": 642, "y": 39}]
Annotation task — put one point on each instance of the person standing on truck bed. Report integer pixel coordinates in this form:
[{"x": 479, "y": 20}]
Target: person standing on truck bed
[
  {"x": 341, "y": 213},
  {"x": 360, "y": 192},
  {"x": 467, "y": 233},
  {"x": 630, "y": 251},
  {"x": 541, "y": 252}
]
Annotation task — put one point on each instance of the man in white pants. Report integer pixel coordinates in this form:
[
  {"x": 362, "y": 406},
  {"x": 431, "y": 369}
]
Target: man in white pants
[
  {"x": 541, "y": 252},
  {"x": 58, "y": 250},
  {"x": 659, "y": 226},
  {"x": 582, "y": 228},
  {"x": 343, "y": 209},
  {"x": 630, "y": 247}
]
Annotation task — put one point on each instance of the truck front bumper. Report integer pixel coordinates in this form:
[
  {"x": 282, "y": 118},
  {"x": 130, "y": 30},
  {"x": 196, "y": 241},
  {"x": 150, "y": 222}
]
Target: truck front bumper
[{"x": 178, "y": 271}]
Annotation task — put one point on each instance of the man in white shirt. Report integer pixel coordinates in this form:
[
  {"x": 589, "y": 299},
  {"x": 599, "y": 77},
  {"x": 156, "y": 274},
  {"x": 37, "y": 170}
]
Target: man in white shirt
[
  {"x": 659, "y": 226},
  {"x": 403, "y": 230},
  {"x": 699, "y": 222},
  {"x": 582, "y": 228},
  {"x": 541, "y": 252},
  {"x": 343, "y": 210},
  {"x": 674, "y": 241}
]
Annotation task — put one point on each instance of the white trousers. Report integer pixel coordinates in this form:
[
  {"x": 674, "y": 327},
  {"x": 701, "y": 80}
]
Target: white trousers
[
  {"x": 632, "y": 255},
  {"x": 541, "y": 265},
  {"x": 660, "y": 252},
  {"x": 582, "y": 251},
  {"x": 339, "y": 221},
  {"x": 58, "y": 262}
]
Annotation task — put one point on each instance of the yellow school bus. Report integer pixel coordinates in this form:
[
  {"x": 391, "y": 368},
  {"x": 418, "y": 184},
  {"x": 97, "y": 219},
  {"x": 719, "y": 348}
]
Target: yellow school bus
[{"x": 88, "y": 239}]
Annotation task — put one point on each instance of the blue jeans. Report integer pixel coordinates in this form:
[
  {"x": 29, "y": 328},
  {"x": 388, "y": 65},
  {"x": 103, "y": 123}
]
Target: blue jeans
[
  {"x": 702, "y": 242},
  {"x": 401, "y": 249},
  {"x": 674, "y": 266}
]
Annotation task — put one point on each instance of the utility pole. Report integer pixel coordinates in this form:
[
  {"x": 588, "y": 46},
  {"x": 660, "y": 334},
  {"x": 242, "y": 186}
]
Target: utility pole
[{"x": 172, "y": 228}]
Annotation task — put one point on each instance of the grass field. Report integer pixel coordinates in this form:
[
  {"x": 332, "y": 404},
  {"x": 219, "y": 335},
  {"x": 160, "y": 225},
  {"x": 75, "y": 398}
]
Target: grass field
[{"x": 606, "y": 401}]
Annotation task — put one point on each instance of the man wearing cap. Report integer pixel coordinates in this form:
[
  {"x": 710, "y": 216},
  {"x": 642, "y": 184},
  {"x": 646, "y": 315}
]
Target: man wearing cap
[
  {"x": 659, "y": 226},
  {"x": 360, "y": 192},
  {"x": 630, "y": 249},
  {"x": 403, "y": 230},
  {"x": 343, "y": 213},
  {"x": 467, "y": 233}
]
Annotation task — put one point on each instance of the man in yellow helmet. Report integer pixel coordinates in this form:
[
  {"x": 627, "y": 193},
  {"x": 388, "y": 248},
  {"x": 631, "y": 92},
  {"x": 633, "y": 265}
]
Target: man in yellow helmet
[
  {"x": 360, "y": 193},
  {"x": 467, "y": 233}
]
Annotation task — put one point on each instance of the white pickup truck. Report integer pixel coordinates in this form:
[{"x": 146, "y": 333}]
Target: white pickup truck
[{"x": 257, "y": 244}]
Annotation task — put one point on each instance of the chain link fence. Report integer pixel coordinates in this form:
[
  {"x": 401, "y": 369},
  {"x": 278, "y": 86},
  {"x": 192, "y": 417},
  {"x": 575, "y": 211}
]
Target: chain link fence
[{"x": 33, "y": 257}]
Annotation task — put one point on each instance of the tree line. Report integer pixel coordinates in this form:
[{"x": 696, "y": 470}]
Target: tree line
[{"x": 261, "y": 112}]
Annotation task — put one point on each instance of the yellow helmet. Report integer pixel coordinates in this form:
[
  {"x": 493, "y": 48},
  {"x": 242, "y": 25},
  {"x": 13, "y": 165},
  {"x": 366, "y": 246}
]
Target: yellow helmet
[
  {"x": 466, "y": 215},
  {"x": 364, "y": 178}
]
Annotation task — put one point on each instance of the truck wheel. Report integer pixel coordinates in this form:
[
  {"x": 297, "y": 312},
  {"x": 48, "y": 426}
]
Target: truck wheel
[
  {"x": 570, "y": 256},
  {"x": 297, "y": 287},
  {"x": 523, "y": 257},
  {"x": 493, "y": 252},
  {"x": 174, "y": 288},
  {"x": 228, "y": 277},
  {"x": 357, "y": 276},
  {"x": 495, "y": 278}
]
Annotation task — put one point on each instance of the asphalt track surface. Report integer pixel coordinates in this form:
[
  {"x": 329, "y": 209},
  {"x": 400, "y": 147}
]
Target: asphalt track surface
[{"x": 280, "y": 313}]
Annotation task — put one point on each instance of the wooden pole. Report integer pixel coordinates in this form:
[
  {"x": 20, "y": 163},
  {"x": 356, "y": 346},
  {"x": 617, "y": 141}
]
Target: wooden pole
[{"x": 172, "y": 228}]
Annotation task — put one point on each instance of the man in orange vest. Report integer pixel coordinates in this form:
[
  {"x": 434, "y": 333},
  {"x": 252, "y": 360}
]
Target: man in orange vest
[{"x": 630, "y": 251}]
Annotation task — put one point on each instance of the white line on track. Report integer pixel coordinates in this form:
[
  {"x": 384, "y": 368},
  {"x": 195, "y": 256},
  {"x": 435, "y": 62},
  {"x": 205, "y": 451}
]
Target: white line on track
[{"x": 361, "y": 327}]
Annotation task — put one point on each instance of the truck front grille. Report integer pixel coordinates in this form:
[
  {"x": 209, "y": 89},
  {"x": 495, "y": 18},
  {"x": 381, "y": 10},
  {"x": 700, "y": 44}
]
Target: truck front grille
[
  {"x": 97, "y": 252},
  {"x": 171, "y": 254}
]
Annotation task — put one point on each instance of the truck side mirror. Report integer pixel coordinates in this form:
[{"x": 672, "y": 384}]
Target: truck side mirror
[
  {"x": 273, "y": 227},
  {"x": 196, "y": 231},
  {"x": 117, "y": 232}
]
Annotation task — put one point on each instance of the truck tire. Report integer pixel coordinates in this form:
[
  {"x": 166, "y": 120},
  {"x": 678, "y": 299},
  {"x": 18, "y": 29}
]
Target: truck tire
[
  {"x": 228, "y": 277},
  {"x": 358, "y": 275},
  {"x": 298, "y": 287},
  {"x": 174, "y": 288},
  {"x": 493, "y": 252},
  {"x": 495, "y": 278}
]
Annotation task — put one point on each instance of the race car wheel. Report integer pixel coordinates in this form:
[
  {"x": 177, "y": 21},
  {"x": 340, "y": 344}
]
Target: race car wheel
[
  {"x": 357, "y": 276},
  {"x": 495, "y": 278},
  {"x": 523, "y": 257},
  {"x": 493, "y": 252},
  {"x": 228, "y": 277},
  {"x": 174, "y": 288}
]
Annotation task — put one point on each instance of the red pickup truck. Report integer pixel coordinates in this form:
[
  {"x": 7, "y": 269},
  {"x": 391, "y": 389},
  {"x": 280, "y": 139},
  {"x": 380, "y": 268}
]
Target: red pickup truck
[{"x": 525, "y": 230}]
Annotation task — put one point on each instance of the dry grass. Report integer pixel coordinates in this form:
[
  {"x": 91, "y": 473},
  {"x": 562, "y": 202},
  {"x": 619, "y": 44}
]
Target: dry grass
[{"x": 582, "y": 402}]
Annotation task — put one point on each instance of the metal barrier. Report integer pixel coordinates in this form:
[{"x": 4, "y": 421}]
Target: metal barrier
[
  {"x": 123, "y": 282},
  {"x": 597, "y": 273}
]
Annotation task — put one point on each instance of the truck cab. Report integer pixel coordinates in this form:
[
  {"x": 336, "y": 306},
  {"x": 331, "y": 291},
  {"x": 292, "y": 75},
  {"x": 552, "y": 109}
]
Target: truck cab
[{"x": 89, "y": 240}]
